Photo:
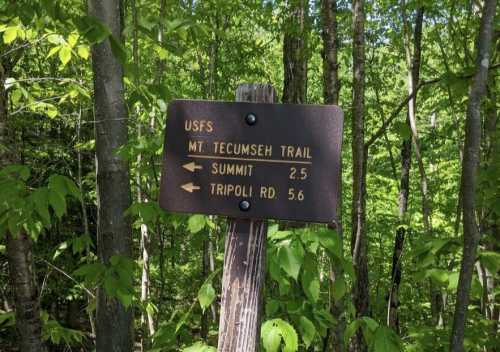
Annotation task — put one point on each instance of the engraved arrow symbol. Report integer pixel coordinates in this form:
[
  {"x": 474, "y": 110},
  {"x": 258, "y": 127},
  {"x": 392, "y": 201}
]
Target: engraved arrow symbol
[
  {"x": 190, "y": 187},
  {"x": 192, "y": 166}
]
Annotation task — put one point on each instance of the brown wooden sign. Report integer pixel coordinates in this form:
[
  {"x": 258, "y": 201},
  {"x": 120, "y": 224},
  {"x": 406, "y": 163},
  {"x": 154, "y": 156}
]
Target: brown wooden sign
[{"x": 252, "y": 160}]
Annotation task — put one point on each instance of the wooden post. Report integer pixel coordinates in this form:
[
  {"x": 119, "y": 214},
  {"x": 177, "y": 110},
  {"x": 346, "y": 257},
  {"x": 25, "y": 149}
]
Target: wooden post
[{"x": 244, "y": 263}]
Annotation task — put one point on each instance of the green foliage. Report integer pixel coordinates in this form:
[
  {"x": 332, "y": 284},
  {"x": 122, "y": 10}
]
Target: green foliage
[
  {"x": 25, "y": 209},
  {"x": 116, "y": 278},
  {"x": 206, "y": 293},
  {"x": 277, "y": 332},
  {"x": 199, "y": 347},
  {"x": 57, "y": 334}
]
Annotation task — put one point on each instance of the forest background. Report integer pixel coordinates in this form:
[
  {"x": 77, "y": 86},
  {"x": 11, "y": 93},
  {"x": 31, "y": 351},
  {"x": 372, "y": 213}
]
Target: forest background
[{"x": 89, "y": 261}]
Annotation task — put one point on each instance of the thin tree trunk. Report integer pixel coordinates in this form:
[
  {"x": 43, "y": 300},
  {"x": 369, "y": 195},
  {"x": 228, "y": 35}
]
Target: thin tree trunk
[
  {"x": 331, "y": 91},
  {"x": 404, "y": 188},
  {"x": 469, "y": 174},
  {"x": 358, "y": 236},
  {"x": 19, "y": 246},
  {"x": 295, "y": 52},
  {"x": 85, "y": 220},
  {"x": 244, "y": 265},
  {"x": 147, "y": 321},
  {"x": 114, "y": 233}
]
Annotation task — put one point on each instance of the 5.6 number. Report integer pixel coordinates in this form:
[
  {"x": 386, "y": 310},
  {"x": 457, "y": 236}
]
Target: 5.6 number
[{"x": 295, "y": 194}]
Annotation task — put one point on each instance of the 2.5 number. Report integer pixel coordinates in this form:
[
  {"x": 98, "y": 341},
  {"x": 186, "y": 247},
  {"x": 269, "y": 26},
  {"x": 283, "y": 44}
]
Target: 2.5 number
[
  {"x": 295, "y": 194},
  {"x": 298, "y": 174}
]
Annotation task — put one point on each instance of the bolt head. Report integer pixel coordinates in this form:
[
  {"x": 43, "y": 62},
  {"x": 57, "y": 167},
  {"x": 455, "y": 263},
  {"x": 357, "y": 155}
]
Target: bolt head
[
  {"x": 251, "y": 119},
  {"x": 244, "y": 205}
]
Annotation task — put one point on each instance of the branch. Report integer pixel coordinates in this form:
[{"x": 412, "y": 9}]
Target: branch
[
  {"x": 400, "y": 107},
  {"x": 396, "y": 112},
  {"x": 68, "y": 276}
]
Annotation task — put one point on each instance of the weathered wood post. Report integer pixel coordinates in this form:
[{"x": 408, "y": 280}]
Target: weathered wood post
[{"x": 244, "y": 263}]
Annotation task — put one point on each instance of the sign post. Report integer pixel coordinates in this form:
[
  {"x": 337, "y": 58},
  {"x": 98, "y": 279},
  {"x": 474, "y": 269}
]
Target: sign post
[
  {"x": 244, "y": 264},
  {"x": 250, "y": 160}
]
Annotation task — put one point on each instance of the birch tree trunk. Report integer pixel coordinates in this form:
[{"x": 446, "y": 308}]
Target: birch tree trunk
[
  {"x": 358, "y": 234},
  {"x": 469, "y": 174},
  {"x": 413, "y": 62},
  {"x": 114, "y": 233}
]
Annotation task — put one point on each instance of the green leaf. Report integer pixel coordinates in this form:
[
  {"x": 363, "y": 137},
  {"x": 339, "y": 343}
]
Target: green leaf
[
  {"x": 291, "y": 258},
  {"x": 272, "y": 307},
  {"x": 307, "y": 331},
  {"x": 73, "y": 39},
  {"x": 58, "y": 203},
  {"x": 92, "y": 272},
  {"x": 339, "y": 288},
  {"x": 330, "y": 240},
  {"x": 10, "y": 35},
  {"x": 53, "y": 51},
  {"x": 196, "y": 223},
  {"x": 386, "y": 340},
  {"x": 490, "y": 260},
  {"x": 93, "y": 29},
  {"x": 271, "y": 329},
  {"x": 289, "y": 336},
  {"x": 453, "y": 281},
  {"x": 310, "y": 279},
  {"x": 118, "y": 50},
  {"x": 65, "y": 54},
  {"x": 83, "y": 52},
  {"x": 351, "y": 330},
  {"x": 199, "y": 347},
  {"x": 206, "y": 295},
  {"x": 271, "y": 337},
  {"x": 439, "y": 276},
  {"x": 40, "y": 199},
  {"x": 124, "y": 297}
]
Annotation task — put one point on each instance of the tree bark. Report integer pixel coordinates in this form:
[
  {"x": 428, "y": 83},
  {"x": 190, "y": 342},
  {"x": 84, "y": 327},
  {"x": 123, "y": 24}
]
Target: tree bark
[
  {"x": 329, "y": 33},
  {"x": 244, "y": 265},
  {"x": 331, "y": 91},
  {"x": 22, "y": 276},
  {"x": 358, "y": 234},
  {"x": 404, "y": 189},
  {"x": 19, "y": 246},
  {"x": 469, "y": 174},
  {"x": 114, "y": 234},
  {"x": 295, "y": 52}
]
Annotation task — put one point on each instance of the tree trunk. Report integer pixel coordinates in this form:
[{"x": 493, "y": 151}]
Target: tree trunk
[
  {"x": 22, "y": 276},
  {"x": 295, "y": 52},
  {"x": 358, "y": 234},
  {"x": 114, "y": 234},
  {"x": 331, "y": 91},
  {"x": 404, "y": 189},
  {"x": 469, "y": 174},
  {"x": 331, "y": 82},
  {"x": 19, "y": 246},
  {"x": 244, "y": 265}
]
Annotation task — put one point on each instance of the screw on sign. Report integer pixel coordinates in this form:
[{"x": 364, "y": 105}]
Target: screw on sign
[{"x": 251, "y": 160}]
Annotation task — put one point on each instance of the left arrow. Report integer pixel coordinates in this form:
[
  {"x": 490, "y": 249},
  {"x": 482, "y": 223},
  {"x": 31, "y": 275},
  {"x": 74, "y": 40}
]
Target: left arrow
[
  {"x": 190, "y": 187},
  {"x": 192, "y": 166}
]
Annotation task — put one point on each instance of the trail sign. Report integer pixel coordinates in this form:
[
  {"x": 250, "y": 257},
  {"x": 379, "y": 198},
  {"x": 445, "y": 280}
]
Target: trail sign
[{"x": 252, "y": 160}]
